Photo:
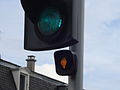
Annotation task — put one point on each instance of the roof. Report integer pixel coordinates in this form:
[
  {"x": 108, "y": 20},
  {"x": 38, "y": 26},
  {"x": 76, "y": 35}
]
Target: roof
[
  {"x": 39, "y": 84},
  {"x": 8, "y": 64},
  {"x": 6, "y": 79},
  {"x": 48, "y": 79},
  {"x": 35, "y": 77}
]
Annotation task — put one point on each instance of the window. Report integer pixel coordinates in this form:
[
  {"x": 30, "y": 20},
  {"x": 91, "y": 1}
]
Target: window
[
  {"x": 21, "y": 77},
  {"x": 23, "y": 81}
]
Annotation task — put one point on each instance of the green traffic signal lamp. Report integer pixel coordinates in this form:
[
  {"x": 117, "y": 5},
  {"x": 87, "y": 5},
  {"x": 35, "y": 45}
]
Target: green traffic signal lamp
[
  {"x": 48, "y": 24},
  {"x": 50, "y": 21}
]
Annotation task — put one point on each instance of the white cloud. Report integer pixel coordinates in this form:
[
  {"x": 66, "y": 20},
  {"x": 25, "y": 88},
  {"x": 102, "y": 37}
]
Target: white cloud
[
  {"x": 102, "y": 45},
  {"x": 49, "y": 70}
]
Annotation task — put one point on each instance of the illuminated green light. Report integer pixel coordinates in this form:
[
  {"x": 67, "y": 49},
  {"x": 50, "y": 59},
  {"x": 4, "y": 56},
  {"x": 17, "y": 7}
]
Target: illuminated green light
[
  {"x": 50, "y": 21},
  {"x": 60, "y": 22}
]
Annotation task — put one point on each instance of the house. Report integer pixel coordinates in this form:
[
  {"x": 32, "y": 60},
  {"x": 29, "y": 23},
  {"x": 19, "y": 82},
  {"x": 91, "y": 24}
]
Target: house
[{"x": 15, "y": 77}]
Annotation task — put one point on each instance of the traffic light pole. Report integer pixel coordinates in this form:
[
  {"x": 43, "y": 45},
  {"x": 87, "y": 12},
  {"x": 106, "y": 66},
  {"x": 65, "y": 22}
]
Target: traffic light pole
[{"x": 76, "y": 81}]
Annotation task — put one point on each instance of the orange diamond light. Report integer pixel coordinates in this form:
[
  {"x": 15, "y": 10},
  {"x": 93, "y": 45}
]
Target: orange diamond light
[{"x": 63, "y": 62}]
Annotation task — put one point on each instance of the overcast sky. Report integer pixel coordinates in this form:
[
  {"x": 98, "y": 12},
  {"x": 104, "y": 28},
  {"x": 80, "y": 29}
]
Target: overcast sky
[{"x": 102, "y": 43}]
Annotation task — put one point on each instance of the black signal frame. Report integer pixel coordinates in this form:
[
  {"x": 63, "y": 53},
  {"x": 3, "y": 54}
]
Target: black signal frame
[
  {"x": 34, "y": 40},
  {"x": 71, "y": 66}
]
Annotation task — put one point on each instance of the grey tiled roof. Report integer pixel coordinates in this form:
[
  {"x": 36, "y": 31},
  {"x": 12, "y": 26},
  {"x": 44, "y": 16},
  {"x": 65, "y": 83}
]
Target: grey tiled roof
[
  {"x": 38, "y": 84},
  {"x": 6, "y": 79},
  {"x": 47, "y": 79},
  {"x": 8, "y": 64},
  {"x": 37, "y": 81}
]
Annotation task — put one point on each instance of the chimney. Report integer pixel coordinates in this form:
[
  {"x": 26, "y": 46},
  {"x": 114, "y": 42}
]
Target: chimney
[{"x": 31, "y": 62}]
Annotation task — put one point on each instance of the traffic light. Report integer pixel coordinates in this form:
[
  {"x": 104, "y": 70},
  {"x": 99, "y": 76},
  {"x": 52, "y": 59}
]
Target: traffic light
[
  {"x": 48, "y": 24},
  {"x": 65, "y": 62}
]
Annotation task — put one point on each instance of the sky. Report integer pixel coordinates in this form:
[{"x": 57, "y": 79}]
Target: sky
[{"x": 101, "y": 43}]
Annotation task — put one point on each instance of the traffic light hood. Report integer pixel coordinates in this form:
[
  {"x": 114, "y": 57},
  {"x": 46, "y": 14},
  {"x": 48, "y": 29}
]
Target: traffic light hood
[{"x": 33, "y": 8}]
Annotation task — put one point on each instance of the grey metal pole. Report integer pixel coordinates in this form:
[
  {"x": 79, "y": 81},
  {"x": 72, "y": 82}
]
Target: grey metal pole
[{"x": 76, "y": 82}]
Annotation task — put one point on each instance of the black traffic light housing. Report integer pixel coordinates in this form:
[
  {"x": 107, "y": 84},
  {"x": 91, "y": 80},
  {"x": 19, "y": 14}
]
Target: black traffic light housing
[
  {"x": 65, "y": 62},
  {"x": 37, "y": 40}
]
